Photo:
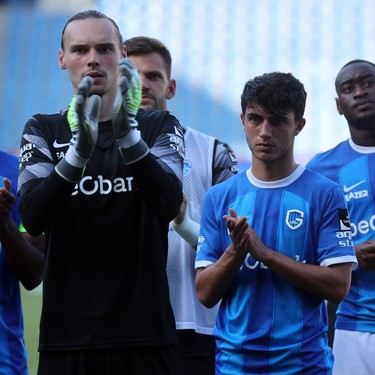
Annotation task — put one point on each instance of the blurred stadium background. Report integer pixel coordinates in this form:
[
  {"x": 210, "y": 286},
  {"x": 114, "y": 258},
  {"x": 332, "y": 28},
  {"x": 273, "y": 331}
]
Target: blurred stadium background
[{"x": 216, "y": 46}]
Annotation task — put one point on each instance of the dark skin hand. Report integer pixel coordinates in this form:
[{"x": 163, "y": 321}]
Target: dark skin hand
[
  {"x": 23, "y": 252},
  {"x": 365, "y": 252}
]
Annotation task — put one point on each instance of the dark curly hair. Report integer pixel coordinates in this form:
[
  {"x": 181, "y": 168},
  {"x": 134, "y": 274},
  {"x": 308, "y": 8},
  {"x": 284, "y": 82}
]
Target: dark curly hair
[{"x": 275, "y": 93}]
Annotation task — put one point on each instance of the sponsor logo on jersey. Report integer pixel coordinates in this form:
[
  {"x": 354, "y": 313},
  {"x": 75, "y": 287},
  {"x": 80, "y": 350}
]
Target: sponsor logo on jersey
[
  {"x": 344, "y": 223},
  {"x": 294, "y": 219},
  {"x": 187, "y": 167},
  {"x": 26, "y": 152},
  {"x": 251, "y": 263},
  {"x": 350, "y": 194},
  {"x": 60, "y": 145},
  {"x": 356, "y": 195},
  {"x": 177, "y": 141},
  {"x": 344, "y": 234},
  {"x": 89, "y": 186},
  {"x": 234, "y": 162},
  {"x": 201, "y": 239},
  {"x": 350, "y": 188},
  {"x": 345, "y": 238},
  {"x": 178, "y": 131},
  {"x": 363, "y": 226}
]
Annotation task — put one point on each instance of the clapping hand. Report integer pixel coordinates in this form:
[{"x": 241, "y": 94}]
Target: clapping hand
[
  {"x": 7, "y": 200},
  {"x": 84, "y": 127},
  {"x": 128, "y": 102},
  {"x": 365, "y": 252},
  {"x": 238, "y": 230},
  {"x": 84, "y": 123}
]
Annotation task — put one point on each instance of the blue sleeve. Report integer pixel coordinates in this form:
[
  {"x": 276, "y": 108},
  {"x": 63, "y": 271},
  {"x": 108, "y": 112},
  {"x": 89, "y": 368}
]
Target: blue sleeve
[{"x": 213, "y": 237}]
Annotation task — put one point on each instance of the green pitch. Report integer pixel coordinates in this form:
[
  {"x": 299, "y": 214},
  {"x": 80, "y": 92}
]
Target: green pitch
[{"x": 32, "y": 303}]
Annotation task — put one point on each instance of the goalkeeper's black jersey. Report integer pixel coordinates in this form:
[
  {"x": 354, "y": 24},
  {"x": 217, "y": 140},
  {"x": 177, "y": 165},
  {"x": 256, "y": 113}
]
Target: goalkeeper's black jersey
[{"x": 105, "y": 282}]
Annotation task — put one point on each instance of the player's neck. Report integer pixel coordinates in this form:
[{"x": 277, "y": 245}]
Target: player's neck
[{"x": 273, "y": 171}]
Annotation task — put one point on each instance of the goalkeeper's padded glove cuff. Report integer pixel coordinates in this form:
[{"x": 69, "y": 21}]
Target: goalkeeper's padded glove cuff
[
  {"x": 70, "y": 168},
  {"x": 68, "y": 172},
  {"x": 131, "y": 138},
  {"x": 73, "y": 158},
  {"x": 134, "y": 153}
]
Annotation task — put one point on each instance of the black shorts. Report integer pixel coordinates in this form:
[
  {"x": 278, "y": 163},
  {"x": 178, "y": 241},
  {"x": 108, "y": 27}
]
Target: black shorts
[
  {"x": 123, "y": 361},
  {"x": 197, "y": 352}
]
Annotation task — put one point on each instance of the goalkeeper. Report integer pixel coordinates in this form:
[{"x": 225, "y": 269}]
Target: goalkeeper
[{"x": 102, "y": 180}]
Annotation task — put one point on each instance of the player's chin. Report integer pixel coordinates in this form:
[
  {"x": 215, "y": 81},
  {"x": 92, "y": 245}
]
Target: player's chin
[
  {"x": 265, "y": 157},
  {"x": 148, "y": 106},
  {"x": 97, "y": 91}
]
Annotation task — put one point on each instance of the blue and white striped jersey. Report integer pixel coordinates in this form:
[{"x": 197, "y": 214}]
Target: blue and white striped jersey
[
  {"x": 352, "y": 167},
  {"x": 264, "y": 323}
]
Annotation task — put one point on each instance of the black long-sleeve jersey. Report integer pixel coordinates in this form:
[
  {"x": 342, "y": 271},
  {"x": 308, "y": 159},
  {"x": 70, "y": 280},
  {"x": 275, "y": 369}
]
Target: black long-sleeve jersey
[{"x": 105, "y": 282}]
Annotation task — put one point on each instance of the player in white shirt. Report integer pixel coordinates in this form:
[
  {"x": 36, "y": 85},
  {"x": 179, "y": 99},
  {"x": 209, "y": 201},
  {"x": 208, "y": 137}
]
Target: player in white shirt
[{"x": 207, "y": 162}]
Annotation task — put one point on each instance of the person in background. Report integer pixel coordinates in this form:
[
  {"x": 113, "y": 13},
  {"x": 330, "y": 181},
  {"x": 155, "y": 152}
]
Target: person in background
[
  {"x": 21, "y": 260},
  {"x": 274, "y": 245},
  {"x": 351, "y": 164},
  {"x": 102, "y": 180},
  {"x": 208, "y": 161}
]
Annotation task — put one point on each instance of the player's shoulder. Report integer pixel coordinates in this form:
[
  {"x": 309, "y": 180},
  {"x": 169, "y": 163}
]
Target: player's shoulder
[
  {"x": 154, "y": 125},
  {"x": 318, "y": 180},
  {"x": 330, "y": 153},
  {"x": 223, "y": 153},
  {"x": 155, "y": 121},
  {"x": 223, "y": 147},
  {"x": 53, "y": 128},
  {"x": 230, "y": 184},
  {"x": 153, "y": 116},
  {"x": 198, "y": 133},
  {"x": 45, "y": 120},
  {"x": 220, "y": 147}
]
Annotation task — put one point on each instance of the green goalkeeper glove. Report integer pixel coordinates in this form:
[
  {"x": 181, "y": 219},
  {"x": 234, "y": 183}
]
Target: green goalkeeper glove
[
  {"x": 84, "y": 127},
  {"x": 126, "y": 107}
]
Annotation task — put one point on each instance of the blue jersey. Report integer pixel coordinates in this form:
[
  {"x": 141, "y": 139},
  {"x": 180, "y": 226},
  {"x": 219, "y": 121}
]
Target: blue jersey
[
  {"x": 12, "y": 346},
  {"x": 353, "y": 168},
  {"x": 264, "y": 323}
]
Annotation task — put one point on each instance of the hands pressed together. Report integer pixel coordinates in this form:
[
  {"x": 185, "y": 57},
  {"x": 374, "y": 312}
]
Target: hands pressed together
[
  {"x": 365, "y": 252},
  {"x": 83, "y": 122},
  {"x": 244, "y": 238}
]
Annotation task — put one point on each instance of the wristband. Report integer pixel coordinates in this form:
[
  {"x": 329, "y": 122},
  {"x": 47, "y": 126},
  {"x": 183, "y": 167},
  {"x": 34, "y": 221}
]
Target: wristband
[{"x": 188, "y": 230}]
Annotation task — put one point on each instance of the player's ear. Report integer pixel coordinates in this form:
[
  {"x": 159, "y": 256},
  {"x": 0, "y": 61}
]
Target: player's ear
[
  {"x": 124, "y": 52},
  {"x": 62, "y": 59},
  {"x": 300, "y": 125},
  {"x": 242, "y": 116},
  {"x": 171, "y": 89},
  {"x": 338, "y": 106}
]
